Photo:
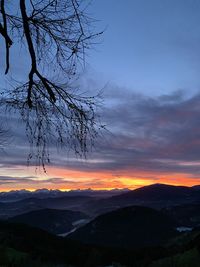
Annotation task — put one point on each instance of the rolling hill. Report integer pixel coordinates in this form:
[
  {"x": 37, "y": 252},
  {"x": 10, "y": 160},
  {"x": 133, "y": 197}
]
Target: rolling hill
[
  {"x": 127, "y": 228},
  {"x": 11, "y": 209},
  {"x": 53, "y": 221},
  {"x": 156, "y": 196}
]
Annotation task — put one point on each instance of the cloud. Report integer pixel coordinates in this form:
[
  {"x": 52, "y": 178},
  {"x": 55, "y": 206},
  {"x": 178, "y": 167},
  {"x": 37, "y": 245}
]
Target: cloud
[
  {"x": 145, "y": 130},
  {"x": 146, "y": 134},
  {"x": 33, "y": 180}
]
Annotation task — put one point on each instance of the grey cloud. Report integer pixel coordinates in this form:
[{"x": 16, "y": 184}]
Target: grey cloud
[
  {"x": 31, "y": 180},
  {"x": 145, "y": 134},
  {"x": 145, "y": 129}
]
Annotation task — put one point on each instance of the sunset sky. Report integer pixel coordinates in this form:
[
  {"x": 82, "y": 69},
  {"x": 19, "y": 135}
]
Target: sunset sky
[{"x": 148, "y": 62}]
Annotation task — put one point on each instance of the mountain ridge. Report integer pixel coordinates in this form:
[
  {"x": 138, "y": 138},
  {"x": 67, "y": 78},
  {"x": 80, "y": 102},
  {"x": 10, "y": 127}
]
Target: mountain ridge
[{"x": 127, "y": 227}]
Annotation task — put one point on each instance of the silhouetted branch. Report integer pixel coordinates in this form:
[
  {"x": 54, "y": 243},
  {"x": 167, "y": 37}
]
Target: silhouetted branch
[
  {"x": 4, "y": 33},
  {"x": 56, "y": 34}
]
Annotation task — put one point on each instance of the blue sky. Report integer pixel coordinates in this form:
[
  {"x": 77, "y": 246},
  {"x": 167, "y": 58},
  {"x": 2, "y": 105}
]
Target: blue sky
[{"x": 148, "y": 46}]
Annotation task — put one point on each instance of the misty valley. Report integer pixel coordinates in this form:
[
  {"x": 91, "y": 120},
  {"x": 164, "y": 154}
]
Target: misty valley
[{"x": 152, "y": 226}]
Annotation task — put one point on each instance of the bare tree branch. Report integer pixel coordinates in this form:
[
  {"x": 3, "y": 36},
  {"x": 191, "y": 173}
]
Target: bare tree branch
[
  {"x": 4, "y": 33},
  {"x": 56, "y": 34}
]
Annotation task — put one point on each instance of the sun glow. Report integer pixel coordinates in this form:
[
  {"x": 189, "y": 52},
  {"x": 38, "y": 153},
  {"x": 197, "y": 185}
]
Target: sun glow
[{"x": 70, "y": 179}]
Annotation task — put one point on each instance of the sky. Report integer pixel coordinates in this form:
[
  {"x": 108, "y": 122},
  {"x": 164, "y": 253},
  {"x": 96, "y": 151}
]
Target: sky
[{"x": 148, "y": 63}]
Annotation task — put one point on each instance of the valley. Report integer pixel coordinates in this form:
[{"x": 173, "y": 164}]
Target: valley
[{"x": 119, "y": 228}]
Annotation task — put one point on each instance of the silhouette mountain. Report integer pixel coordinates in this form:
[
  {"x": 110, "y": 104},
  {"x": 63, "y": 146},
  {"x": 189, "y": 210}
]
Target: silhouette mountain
[
  {"x": 11, "y": 209},
  {"x": 157, "y": 192},
  {"x": 53, "y": 221},
  {"x": 22, "y": 246},
  {"x": 155, "y": 196},
  {"x": 127, "y": 228},
  {"x": 16, "y": 195}
]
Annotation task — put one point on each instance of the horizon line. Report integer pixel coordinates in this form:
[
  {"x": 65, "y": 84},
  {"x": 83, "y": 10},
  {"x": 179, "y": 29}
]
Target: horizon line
[{"x": 91, "y": 189}]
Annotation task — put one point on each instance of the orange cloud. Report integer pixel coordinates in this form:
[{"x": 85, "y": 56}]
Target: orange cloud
[{"x": 66, "y": 179}]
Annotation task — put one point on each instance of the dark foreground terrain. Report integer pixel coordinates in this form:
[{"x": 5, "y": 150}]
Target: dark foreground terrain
[
  {"x": 154, "y": 226},
  {"x": 26, "y": 246}
]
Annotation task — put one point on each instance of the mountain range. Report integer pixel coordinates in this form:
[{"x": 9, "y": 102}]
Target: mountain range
[
  {"x": 144, "y": 227},
  {"x": 156, "y": 196},
  {"x": 16, "y": 195},
  {"x": 128, "y": 227}
]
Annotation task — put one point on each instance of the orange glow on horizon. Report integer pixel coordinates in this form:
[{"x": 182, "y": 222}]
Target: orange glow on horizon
[{"x": 69, "y": 179}]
